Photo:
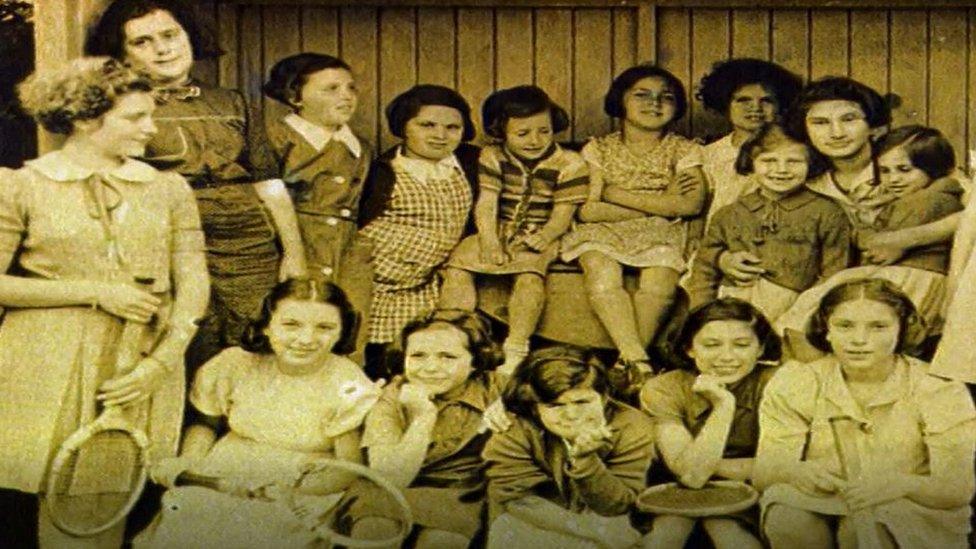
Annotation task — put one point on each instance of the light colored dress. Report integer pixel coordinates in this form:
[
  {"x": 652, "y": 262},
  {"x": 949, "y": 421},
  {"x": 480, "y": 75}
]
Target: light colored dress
[
  {"x": 914, "y": 419},
  {"x": 277, "y": 423},
  {"x": 651, "y": 241},
  {"x": 53, "y": 359}
]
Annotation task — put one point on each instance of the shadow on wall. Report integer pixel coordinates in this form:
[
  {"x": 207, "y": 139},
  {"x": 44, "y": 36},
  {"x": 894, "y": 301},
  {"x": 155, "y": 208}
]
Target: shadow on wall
[{"x": 18, "y": 134}]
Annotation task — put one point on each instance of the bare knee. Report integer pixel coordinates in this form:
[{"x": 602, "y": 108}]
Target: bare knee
[
  {"x": 529, "y": 286},
  {"x": 436, "y": 539},
  {"x": 726, "y": 532},
  {"x": 600, "y": 273},
  {"x": 789, "y": 528},
  {"x": 661, "y": 282}
]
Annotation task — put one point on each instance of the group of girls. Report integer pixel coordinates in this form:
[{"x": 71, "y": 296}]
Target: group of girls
[{"x": 804, "y": 222}]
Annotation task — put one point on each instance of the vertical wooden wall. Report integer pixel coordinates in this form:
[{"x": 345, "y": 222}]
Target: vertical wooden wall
[{"x": 925, "y": 56}]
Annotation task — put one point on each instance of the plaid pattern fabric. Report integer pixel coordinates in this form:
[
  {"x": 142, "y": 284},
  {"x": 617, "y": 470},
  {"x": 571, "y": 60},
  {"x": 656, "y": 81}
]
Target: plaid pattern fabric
[{"x": 415, "y": 235}]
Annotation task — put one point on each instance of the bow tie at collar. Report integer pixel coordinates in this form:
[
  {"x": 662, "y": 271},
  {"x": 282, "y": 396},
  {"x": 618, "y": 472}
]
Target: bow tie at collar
[{"x": 178, "y": 93}]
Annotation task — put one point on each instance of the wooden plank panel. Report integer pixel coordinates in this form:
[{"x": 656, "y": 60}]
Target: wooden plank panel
[
  {"x": 624, "y": 44},
  {"x": 909, "y": 66},
  {"x": 207, "y": 70},
  {"x": 869, "y": 48},
  {"x": 624, "y": 39},
  {"x": 674, "y": 50},
  {"x": 513, "y": 42},
  {"x": 710, "y": 44},
  {"x": 435, "y": 37},
  {"x": 320, "y": 30},
  {"x": 251, "y": 67},
  {"x": 969, "y": 161},
  {"x": 360, "y": 43},
  {"x": 791, "y": 41},
  {"x": 554, "y": 55},
  {"x": 829, "y": 43},
  {"x": 397, "y": 69},
  {"x": 277, "y": 46},
  {"x": 750, "y": 33},
  {"x": 646, "y": 32},
  {"x": 476, "y": 55},
  {"x": 592, "y": 60},
  {"x": 227, "y": 37},
  {"x": 947, "y": 87}
]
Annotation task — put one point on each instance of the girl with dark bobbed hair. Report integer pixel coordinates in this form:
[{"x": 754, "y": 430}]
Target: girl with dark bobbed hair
[
  {"x": 864, "y": 447},
  {"x": 915, "y": 163},
  {"x": 706, "y": 413},
  {"x": 427, "y": 431},
  {"x": 415, "y": 207},
  {"x": 206, "y": 136},
  {"x": 749, "y": 93},
  {"x": 841, "y": 118},
  {"x": 260, "y": 412},
  {"x": 646, "y": 184},
  {"x": 92, "y": 240},
  {"x": 530, "y": 188},
  {"x": 323, "y": 164},
  {"x": 568, "y": 470}
]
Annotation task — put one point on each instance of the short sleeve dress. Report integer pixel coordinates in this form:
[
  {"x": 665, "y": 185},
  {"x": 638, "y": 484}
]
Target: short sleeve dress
[
  {"x": 651, "y": 241},
  {"x": 448, "y": 492},
  {"x": 326, "y": 181},
  {"x": 912, "y": 420},
  {"x": 526, "y": 197},
  {"x": 412, "y": 237},
  {"x": 276, "y": 423},
  {"x": 53, "y": 359}
]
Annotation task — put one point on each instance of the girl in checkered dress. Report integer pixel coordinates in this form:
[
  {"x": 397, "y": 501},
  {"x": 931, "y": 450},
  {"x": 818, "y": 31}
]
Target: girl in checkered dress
[
  {"x": 416, "y": 204},
  {"x": 530, "y": 189}
]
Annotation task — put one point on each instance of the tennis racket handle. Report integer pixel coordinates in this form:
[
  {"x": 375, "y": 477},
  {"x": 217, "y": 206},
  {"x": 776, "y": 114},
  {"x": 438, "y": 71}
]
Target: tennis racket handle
[
  {"x": 187, "y": 478},
  {"x": 129, "y": 350},
  {"x": 129, "y": 347}
]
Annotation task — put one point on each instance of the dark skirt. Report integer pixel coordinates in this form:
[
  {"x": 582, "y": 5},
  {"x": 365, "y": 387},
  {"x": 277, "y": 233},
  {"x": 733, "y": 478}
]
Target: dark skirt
[{"x": 242, "y": 258}]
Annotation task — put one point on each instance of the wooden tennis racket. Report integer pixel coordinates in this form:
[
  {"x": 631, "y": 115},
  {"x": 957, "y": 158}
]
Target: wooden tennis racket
[
  {"x": 99, "y": 471},
  {"x": 865, "y": 528},
  {"x": 293, "y": 496},
  {"x": 715, "y": 498}
]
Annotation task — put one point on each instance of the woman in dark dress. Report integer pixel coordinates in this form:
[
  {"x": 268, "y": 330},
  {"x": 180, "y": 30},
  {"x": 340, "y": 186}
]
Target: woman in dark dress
[{"x": 206, "y": 136}]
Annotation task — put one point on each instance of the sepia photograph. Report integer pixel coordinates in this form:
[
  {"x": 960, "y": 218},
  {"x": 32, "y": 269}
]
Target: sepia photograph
[{"x": 487, "y": 274}]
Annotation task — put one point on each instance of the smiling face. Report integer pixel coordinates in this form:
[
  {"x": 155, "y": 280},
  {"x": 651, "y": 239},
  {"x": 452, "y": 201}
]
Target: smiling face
[
  {"x": 781, "y": 170},
  {"x": 529, "y": 137},
  {"x": 158, "y": 45},
  {"x": 726, "y": 349},
  {"x": 751, "y": 107},
  {"x": 863, "y": 334},
  {"x": 838, "y": 128},
  {"x": 303, "y": 333},
  {"x": 434, "y": 133},
  {"x": 438, "y": 358},
  {"x": 650, "y": 104},
  {"x": 575, "y": 411},
  {"x": 329, "y": 98},
  {"x": 898, "y": 175},
  {"x": 126, "y": 128}
]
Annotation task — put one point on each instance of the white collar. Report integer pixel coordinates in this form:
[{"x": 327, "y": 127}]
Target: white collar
[
  {"x": 425, "y": 168},
  {"x": 318, "y": 137},
  {"x": 60, "y": 167}
]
